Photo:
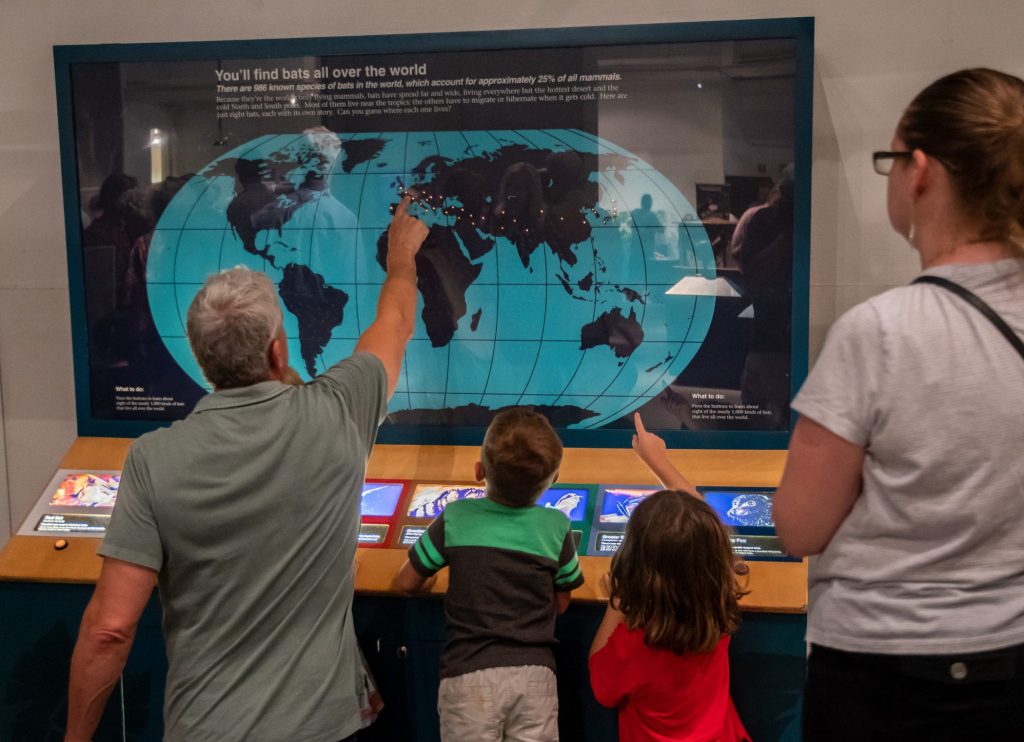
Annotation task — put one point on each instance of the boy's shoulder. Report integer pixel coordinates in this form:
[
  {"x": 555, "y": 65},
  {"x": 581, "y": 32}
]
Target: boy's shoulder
[
  {"x": 486, "y": 509},
  {"x": 552, "y": 517},
  {"x": 483, "y": 522}
]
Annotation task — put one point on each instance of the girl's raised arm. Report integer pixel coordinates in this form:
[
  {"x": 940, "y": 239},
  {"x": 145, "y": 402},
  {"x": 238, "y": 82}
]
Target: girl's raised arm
[{"x": 651, "y": 450}]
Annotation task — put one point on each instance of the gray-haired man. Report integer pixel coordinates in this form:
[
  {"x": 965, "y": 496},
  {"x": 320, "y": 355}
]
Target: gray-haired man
[{"x": 246, "y": 514}]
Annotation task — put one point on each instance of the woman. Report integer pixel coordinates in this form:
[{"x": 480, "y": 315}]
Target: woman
[{"x": 905, "y": 473}]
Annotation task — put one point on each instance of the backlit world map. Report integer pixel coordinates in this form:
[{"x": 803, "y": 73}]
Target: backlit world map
[{"x": 546, "y": 279}]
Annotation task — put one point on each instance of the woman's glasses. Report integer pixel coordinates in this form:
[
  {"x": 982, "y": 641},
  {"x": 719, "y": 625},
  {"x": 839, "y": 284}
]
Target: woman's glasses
[{"x": 883, "y": 161}]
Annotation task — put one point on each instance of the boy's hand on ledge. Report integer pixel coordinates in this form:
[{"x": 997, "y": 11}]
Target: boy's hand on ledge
[
  {"x": 409, "y": 580},
  {"x": 562, "y": 600}
]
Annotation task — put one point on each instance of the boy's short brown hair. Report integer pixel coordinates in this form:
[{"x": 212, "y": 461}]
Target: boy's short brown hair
[{"x": 520, "y": 453}]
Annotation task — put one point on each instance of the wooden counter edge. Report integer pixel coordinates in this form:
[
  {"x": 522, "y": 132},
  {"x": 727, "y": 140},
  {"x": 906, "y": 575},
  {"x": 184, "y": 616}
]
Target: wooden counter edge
[
  {"x": 775, "y": 587},
  {"x": 34, "y": 559}
]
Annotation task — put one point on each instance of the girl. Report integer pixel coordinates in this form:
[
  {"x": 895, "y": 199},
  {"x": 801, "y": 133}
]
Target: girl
[{"x": 661, "y": 652}]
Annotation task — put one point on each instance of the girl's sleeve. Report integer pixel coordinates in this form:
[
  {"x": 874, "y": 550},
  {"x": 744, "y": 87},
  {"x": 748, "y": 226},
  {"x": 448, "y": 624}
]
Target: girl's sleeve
[{"x": 609, "y": 671}]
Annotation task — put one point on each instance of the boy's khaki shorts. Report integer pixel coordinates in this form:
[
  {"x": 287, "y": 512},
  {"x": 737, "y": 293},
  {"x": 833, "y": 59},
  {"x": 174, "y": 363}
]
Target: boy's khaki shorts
[{"x": 515, "y": 704}]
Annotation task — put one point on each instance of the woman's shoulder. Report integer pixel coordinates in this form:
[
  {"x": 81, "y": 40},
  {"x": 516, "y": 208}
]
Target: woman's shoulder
[
  {"x": 886, "y": 313},
  {"x": 910, "y": 303}
]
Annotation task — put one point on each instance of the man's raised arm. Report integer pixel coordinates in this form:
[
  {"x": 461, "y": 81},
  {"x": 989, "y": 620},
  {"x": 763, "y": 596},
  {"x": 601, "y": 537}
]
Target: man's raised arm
[{"x": 386, "y": 338}]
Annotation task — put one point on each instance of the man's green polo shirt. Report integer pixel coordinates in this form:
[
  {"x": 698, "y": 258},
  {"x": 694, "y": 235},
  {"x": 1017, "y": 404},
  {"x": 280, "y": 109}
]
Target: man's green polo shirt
[{"x": 248, "y": 509}]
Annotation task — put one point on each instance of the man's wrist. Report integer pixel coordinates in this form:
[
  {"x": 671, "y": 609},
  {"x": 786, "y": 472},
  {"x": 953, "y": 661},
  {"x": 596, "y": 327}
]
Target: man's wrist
[
  {"x": 401, "y": 263},
  {"x": 402, "y": 270}
]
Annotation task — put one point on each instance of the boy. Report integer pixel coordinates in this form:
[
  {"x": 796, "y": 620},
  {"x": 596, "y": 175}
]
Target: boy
[{"x": 512, "y": 565}]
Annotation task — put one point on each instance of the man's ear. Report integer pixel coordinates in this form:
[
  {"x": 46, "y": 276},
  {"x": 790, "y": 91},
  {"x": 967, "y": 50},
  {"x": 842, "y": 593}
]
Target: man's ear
[
  {"x": 277, "y": 358},
  {"x": 478, "y": 471}
]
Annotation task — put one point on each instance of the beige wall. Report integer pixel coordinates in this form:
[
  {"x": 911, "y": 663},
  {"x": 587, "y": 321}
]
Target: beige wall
[{"x": 871, "y": 57}]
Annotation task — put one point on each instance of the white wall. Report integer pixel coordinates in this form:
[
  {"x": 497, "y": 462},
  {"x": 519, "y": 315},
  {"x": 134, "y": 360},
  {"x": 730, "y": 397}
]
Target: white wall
[
  {"x": 5, "y": 500},
  {"x": 871, "y": 57}
]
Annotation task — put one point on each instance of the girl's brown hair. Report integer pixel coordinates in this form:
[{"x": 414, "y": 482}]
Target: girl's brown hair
[
  {"x": 673, "y": 576},
  {"x": 972, "y": 121}
]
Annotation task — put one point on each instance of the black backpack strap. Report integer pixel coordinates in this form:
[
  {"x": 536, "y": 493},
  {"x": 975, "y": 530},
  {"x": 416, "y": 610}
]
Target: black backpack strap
[{"x": 978, "y": 304}]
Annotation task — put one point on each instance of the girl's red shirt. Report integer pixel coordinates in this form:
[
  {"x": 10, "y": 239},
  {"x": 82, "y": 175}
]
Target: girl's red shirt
[{"x": 663, "y": 696}]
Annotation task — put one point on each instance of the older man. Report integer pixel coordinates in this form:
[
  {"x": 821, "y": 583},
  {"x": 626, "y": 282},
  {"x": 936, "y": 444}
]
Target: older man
[{"x": 246, "y": 514}]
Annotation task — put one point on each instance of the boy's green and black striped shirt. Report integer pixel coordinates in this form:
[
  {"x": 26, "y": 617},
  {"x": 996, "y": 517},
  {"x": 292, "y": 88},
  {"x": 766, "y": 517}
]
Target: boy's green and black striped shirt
[{"x": 505, "y": 566}]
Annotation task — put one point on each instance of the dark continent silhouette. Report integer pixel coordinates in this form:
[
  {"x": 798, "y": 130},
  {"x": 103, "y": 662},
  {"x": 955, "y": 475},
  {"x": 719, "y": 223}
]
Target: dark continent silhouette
[{"x": 318, "y": 307}]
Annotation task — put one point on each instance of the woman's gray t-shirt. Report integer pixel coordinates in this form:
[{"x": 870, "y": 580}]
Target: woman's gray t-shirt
[{"x": 930, "y": 559}]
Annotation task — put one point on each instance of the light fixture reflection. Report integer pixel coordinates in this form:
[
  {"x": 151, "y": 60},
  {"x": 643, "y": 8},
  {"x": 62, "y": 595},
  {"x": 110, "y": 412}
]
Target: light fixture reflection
[{"x": 157, "y": 155}]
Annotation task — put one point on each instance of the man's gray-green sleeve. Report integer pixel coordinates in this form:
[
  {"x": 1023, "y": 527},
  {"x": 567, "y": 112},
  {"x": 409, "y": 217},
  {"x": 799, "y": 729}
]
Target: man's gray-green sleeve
[
  {"x": 362, "y": 383},
  {"x": 132, "y": 535}
]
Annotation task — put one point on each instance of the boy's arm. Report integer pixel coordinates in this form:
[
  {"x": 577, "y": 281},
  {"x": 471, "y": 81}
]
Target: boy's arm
[
  {"x": 651, "y": 450},
  {"x": 410, "y": 580},
  {"x": 425, "y": 558},
  {"x": 569, "y": 575}
]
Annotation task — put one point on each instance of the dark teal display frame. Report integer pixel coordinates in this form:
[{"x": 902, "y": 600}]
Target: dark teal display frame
[{"x": 799, "y": 30}]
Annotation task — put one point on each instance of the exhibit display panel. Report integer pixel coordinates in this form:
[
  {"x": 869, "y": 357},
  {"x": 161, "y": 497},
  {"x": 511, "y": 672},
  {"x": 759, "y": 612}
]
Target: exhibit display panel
[
  {"x": 774, "y": 586},
  {"x": 427, "y": 502},
  {"x": 378, "y": 509},
  {"x": 429, "y": 499},
  {"x": 80, "y": 503},
  {"x": 74, "y": 502},
  {"x": 577, "y": 502},
  {"x": 585, "y": 191},
  {"x": 747, "y": 511},
  {"x": 615, "y": 503}
]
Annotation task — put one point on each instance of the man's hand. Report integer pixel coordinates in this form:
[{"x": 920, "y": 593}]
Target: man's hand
[{"x": 405, "y": 234}]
